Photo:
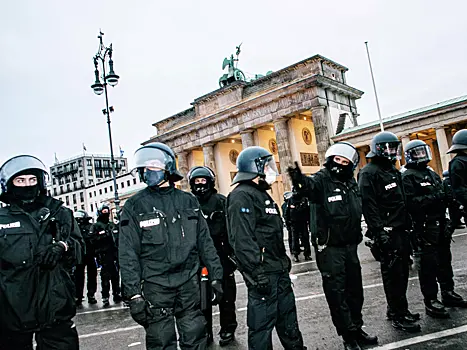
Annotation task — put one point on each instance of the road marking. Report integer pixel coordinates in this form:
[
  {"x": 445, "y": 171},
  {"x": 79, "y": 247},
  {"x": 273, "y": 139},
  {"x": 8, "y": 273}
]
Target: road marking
[
  {"x": 422, "y": 338},
  {"x": 308, "y": 297},
  {"x": 134, "y": 344},
  {"x": 102, "y": 310},
  {"x": 460, "y": 234}
]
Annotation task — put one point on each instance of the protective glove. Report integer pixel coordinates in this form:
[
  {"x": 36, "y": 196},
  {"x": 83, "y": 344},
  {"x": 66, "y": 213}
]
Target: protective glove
[
  {"x": 262, "y": 284},
  {"x": 53, "y": 254},
  {"x": 384, "y": 241},
  {"x": 139, "y": 311},
  {"x": 217, "y": 289},
  {"x": 296, "y": 176}
]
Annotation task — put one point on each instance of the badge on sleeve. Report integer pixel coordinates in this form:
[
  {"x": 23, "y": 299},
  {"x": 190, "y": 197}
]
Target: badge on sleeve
[{"x": 244, "y": 210}]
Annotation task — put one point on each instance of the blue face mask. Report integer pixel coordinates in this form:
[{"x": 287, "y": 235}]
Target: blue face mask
[{"x": 154, "y": 178}]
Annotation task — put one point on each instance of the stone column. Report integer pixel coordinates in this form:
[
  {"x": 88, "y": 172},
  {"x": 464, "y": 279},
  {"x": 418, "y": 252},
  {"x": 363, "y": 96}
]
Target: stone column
[
  {"x": 209, "y": 160},
  {"x": 247, "y": 138},
  {"x": 443, "y": 147},
  {"x": 183, "y": 169},
  {"x": 405, "y": 140},
  {"x": 323, "y": 140},
  {"x": 283, "y": 149}
]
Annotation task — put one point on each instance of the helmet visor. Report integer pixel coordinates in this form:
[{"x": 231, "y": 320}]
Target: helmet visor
[
  {"x": 345, "y": 150},
  {"x": 19, "y": 164},
  {"x": 269, "y": 164},
  {"x": 390, "y": 150},
  {"x": 418, "y": 154},
  {"x": 152, "y": 158}
]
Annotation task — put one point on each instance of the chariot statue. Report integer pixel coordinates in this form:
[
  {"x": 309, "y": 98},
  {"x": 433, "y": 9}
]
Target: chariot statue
[{"x": 233, "y": 73}]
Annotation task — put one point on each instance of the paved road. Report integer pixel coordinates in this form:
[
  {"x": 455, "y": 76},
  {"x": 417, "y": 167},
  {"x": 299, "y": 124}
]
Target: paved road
[{"x": 113, "y": 328}]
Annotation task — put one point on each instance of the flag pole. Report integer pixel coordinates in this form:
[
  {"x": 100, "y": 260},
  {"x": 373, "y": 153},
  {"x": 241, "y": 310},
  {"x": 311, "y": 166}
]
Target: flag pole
[{"x": 374, "y": 88}]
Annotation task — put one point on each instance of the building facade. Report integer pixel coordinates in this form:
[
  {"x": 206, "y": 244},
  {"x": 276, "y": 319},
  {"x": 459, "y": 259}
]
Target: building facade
[
  {"x": 293, "y": 112},
  {"x": 434, "y": 124}
]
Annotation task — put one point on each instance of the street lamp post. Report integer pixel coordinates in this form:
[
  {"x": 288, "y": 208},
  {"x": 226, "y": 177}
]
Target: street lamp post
[{"x": 99, "y": 88}]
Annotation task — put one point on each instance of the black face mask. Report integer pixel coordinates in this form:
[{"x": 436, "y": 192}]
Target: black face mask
[
  {"x": 24, "y": 193},
  {"x": 104, "y": 217},
  {"x": 263, "y": 185},
  {"x": 341, "y": 172},
  {"x": 201, "y": 190}
]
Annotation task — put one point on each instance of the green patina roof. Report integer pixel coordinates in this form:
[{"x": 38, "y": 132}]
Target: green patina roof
[{"x": 438, "y": 105}]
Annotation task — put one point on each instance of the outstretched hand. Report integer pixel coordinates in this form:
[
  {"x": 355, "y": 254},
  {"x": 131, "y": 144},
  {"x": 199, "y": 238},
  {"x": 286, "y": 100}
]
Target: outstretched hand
[{"x": 296, "y": 175}]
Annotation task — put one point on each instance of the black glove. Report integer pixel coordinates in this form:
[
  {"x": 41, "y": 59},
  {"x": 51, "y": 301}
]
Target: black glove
[
  {"x": 217, "y": 289},
  {"x": 139, "y": 311},
  {"x": 52, "y": 255},
  {"x": 262, "y": 284},
  {"x": 384, "y": 241},
  {"x": 296, "y": 176}
]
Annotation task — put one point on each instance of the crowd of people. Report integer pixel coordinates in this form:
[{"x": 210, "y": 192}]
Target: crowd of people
[{"x": 177, "y": 252}]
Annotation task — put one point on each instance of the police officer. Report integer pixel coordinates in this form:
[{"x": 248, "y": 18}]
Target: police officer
[
  {"x": 39, "y": 245},
  {"x": 212, "y": 204},
  {"x": 256, "y": 235},
  {"x": 458, "y": 167},
  {"x": 298, "y": 214},
  {"x": 333, "y": 194},
  {"x": 454, "y": 207},
  {"x": 163, "y": 235},
  {"x": 89, "y": 262},
  {"x": 426, "y": 202},
  {"x": 385, "y": 211},
  {"x": 103, "y": 240},
  {"x": 286, "y": 218}
]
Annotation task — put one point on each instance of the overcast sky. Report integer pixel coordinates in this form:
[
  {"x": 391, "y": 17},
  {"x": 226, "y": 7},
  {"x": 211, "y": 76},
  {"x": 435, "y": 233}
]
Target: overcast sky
[{"x": 168, "y": 53}]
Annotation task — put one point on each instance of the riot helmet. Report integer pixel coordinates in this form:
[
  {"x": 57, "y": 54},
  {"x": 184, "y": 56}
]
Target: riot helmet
[
  {"x": 417, "y": 152},
  {"x": 385, "y": 145},
  {"x": 156, "y": 164},
  {"x": 204, "y": 172},
  {"x": 103, "y": 212},
  {"x": 81, "y": 216},
  {"x": 336, "y": 158},
  {"x": 17, "y": 166},
  {"x": 255, "y": 162},
  {"x": 446, "y": 174},
  {"x": 459, "y": 142}
]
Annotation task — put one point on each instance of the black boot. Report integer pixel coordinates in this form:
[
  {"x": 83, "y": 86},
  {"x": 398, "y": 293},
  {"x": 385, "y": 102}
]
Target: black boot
[
  {"x": 117, "y": 298},
  {"x": 295, "y": 258},
  {"x": 308, "y": 258},
  {"x": 79, "y": 302},
  {"x": 351, "y": 344},
  {"x": 435, "y": 309},
  {"x": 364, "y": 338},
  {"x": 106, "y": 302},
  {"x": 409, "y": 316},
  {"x": 451, "y": 298},
  {"x": 210, "y": 339},
  {"x": 226, "y": 338},
  {"x": 404, "y": 325},
  {"x": 92, "y": 300}
]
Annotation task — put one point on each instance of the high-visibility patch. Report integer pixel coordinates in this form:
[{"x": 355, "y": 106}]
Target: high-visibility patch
[
  {"x": 424, "y": 184},
  {"x": 335, "y": 198},
  {"x": 149, "y": 223},
  {"x": 391, "y": 185},
  {"x": 10, "y": 225}
]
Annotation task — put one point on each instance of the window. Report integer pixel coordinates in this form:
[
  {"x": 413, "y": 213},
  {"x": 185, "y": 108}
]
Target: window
[
  {"x": 88, "y": 162},
  {"x": 97, "y": 163},
  {"x": 106, "y": 173},
  {"x": 67, "y": 200},
  {"x": 81, "y": 183},
  {"x": 99, "y": 173},
  {"x": 82, "y": 206},
  {"x": 54, "y": 181},
  {"x": 68, "y": 187},
  {"x": 106, "y": 163},
  {"x": 80, "y": 163},
  {"x": 75, "y": 208},
  {"x": 111, "y": 188},
  {"x": 81, "y": 196},
  {"x": 92, "y": 207},
  {"x": 55, "y": 191},
  {"x": 100, "y": 191},
  {"x": 105, "y": 189},
  {"x": 95, "y": 193},
  {"x": 74, "y": 186},
  {"x": 134, "y": 181},
  {"x": 128, "y": 183},
  {"x": 123, "y": 163},
  {"x": 90, "y": 194},
  {"x": 89, "y": 172},
  {"x": 122, "y": 185},
  {"x": 116, "y": 186},
  {"x": 61, "y": 189},
  {"x": 80, "y": 173},
  {"x": 68, "y": 179},
  {"x": 74, "y": 198}
]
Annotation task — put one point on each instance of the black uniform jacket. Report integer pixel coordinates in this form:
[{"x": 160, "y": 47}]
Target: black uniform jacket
[
  {"x": 103, "y": 237},
  {"x": 458, "y": 177},
  {"x": 256, "y": 231},
  {"x": 162, "y": 238},
  {"x": 338, "y": 209},
  {"x": 213, "y": 210},
  {"x": 383, "y": 201},
  {"x": 426, "y": 200},
  {"x": 32, "y": 297}
]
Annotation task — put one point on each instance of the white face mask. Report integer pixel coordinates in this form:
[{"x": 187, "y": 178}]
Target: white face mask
[{"x": 271, "y": 176}]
